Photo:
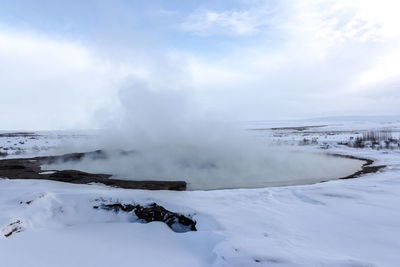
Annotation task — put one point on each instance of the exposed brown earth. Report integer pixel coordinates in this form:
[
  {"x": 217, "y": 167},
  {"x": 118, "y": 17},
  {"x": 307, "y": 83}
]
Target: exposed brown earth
[
  {"x": 366, "y": 167},
  {"x": 30, "y": 168}
]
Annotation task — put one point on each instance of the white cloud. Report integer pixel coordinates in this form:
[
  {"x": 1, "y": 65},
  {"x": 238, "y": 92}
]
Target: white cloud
[
  {"x": 349, "y": 20},
  {"x": 331, "y": 52},
  {"x": 230, "y": 22},
  {"x": 48, "y": 83}
]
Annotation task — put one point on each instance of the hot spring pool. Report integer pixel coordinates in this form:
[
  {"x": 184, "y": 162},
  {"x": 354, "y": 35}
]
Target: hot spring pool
[{"x": 223, "y": 170}]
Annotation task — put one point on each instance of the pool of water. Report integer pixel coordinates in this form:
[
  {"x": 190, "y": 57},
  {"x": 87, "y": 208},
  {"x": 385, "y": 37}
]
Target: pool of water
[{"x": 221, "y": 170}]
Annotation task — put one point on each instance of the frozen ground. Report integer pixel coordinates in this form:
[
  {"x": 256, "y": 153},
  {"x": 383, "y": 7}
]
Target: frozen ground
[{"x": 338, "y": 223}]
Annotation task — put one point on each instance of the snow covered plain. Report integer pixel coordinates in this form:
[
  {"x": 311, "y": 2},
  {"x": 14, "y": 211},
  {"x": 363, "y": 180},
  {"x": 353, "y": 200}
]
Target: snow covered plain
[{"x": 352, "y": 222}]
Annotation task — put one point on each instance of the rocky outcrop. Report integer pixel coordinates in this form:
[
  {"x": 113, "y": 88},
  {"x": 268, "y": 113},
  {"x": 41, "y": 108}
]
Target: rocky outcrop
[{"x": 153, "y": 212}]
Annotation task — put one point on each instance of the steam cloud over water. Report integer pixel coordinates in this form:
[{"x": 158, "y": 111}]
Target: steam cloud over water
[
  {"x": 168, "y": 120},
  {"x": 165, "y": 138}
]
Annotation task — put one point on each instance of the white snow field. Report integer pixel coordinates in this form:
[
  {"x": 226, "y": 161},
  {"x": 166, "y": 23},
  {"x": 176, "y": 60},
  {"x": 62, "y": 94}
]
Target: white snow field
[{"x": 354, "y": 222}]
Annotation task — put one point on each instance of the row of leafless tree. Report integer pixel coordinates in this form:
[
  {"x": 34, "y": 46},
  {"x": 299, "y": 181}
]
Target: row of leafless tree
[
  {"x": 377, "y": 136},
  {"x": 378, "y": 139}
]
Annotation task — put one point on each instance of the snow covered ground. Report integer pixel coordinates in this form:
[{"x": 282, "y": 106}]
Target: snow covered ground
[{"x": 352, "y": 222}]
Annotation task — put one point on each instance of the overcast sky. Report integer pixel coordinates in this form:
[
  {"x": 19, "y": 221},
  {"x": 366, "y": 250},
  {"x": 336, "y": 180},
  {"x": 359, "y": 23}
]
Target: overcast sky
[{"x": 63, "y": 63}]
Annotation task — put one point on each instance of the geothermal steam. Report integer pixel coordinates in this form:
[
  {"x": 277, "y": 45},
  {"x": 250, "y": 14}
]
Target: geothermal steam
[{"x": 165, "y": 137}]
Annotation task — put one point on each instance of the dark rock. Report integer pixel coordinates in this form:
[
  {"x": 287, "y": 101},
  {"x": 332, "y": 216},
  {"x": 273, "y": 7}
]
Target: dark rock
[
  {"x": 153, "y": 212},
  {"x": 12, "y": 228}
]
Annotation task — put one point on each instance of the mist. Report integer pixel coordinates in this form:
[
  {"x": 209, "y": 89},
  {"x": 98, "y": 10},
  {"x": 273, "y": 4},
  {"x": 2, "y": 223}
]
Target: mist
[{"x": 161, "y": 134}]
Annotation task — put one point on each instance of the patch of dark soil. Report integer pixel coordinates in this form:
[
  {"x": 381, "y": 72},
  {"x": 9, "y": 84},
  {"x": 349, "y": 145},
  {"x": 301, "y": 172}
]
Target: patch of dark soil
[
  {"x": 74, "y": 175},
  {"x": 30, "y": 168},
  {"x": 366, "y": 167},
  {"x": 30, "y": 201},
  {"x": 12, "y": 167},
  {"x": 297, "y": 128},
  {"x": 153, "y": 212},
  {"x": 19, "y": 134},
  {"x": 12, "y": 228},
  {"x": 365, "y": 170}
]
